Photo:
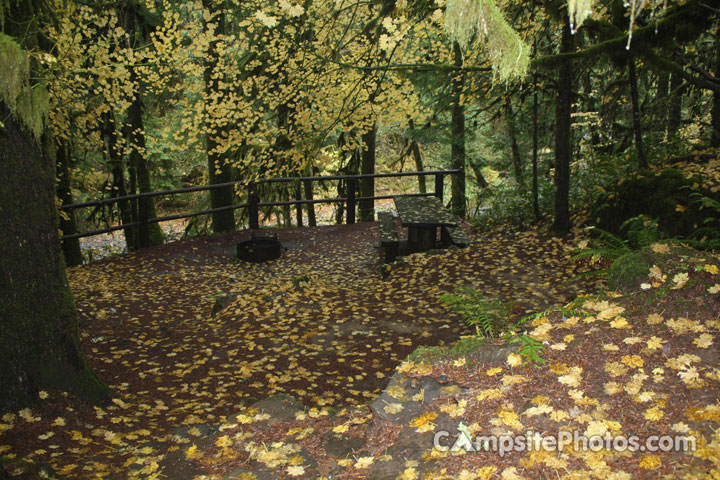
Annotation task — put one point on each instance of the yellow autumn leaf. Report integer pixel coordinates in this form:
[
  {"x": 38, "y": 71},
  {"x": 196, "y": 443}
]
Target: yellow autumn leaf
[
  {"x": 489, "y": 394},
  {"x": 295, "y": 470},
  {"x": 392, "y": 408},
  {"x": 460, "y": 362},
  {"x": 514, "y": 360},
  {"x": 680, "y": 280},
  {"x": 510, "y": 418},
  {"x": 711, "y": 269},
  {"x": 619, "y": 323},
  {"x": 344, "y": 427},
  {"x": 632, "y": 361},
  {"x": 191, "y": 452},
  {"x": 650, "y": 462},
  {"x": 653, "y": 413},
  {"x": 486, "y": 472},
  {"x": 409, "y": 473},
  {"x": 423, "y": 423},
  {"x": 660, "y": 248},
  {"x": 223, "y": 442},
  {"x": 704, "y": 340},
  {"x": 364, "y": 462}
]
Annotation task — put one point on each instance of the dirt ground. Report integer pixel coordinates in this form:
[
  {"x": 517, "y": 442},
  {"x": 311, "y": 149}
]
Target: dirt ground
[{"x": 326, "y": 323}]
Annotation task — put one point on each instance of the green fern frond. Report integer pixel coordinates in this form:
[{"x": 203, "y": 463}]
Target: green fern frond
[{"x": 488, "y": 315}]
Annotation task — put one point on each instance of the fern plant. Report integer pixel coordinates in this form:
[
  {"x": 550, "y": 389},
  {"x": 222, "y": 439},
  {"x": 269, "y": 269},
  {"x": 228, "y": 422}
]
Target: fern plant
[
  {"x": 530, "y": 349},
  {"x": 488, "y": 315},
  {"x": 706, "y": 236},
  {"x": 641, "y": 231}
]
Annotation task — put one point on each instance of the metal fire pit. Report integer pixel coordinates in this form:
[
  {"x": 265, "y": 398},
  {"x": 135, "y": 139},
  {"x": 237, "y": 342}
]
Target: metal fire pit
[{"x": 260, "y": 248}]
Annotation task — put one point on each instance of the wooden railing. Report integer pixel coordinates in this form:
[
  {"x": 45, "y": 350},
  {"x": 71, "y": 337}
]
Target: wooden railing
[{"x": 254, "y": 201}]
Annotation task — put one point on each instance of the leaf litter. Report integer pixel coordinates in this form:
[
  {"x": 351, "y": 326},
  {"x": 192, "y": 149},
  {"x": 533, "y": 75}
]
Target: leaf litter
[{"x": 324, "y": 326}]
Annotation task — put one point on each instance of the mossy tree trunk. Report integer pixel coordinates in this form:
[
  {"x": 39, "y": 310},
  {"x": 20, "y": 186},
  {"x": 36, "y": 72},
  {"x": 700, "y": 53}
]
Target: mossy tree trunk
[
  {"x": 119, "y": 188},
  {"x": 367, "y": 167},
  {"x": 563, "y": 123},
  {"x": 677, "y": 88},
  {"x": 414, "y": 148},
  {"x": 457, "y": 142},
  {"x": 535, "y": 194},
  {"x": 39, "y": 339},
  {"x": 219, "y": 169},
  {"x": 715, "y": 120},
  {"x": 148, "y": 234},
  {"x": 637, "y": 127},
  {"x": 661, "y": 100},
  {"x": 68, "y": 225},
  {"x": 514, "y": 148}
]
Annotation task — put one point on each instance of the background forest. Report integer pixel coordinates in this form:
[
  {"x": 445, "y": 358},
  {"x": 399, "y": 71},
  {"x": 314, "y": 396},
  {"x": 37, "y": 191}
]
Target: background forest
[{"x": 539, "y": 114}]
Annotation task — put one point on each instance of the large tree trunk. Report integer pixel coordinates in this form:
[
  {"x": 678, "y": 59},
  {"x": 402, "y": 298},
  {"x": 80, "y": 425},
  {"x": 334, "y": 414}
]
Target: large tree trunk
[
  {"x": 219, "y": 170},
  {"x": 715, "y": 121},
  {"x": 637, "y": 128},
  {"x": 514, "y": 148},
  {"x": 118, "y": 172},
  {"x": 39, "y": 340},
  {"x": 661, "y": 102},
  {"x": 417, "y": 155},
  {"x": 308, "y": 189},
  {"x": 675, "y": 104},
  {"x": 71, "y": 248},
  {"x": 535, "y": 194},
  {"x": 367, "y": 185},
  {"x": 148, "y": 234},
  {"x": 457, "y": 142},
  {"x": 563, "y": 122}
]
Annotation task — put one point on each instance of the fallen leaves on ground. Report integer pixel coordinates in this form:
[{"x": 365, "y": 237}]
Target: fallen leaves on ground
[{"x": 321, "y": 324}]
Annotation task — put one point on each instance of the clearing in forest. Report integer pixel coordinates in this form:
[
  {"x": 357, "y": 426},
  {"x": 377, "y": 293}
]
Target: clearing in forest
[{"x": 326, "y": 324}]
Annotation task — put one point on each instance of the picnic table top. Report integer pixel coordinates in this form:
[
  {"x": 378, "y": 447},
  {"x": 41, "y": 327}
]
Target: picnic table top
[{"x": 423, "y": 212}]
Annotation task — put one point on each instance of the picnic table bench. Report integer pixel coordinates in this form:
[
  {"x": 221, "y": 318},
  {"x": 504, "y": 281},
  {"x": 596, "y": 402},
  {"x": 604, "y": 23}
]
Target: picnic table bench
[
  {"x": 388, "y": 236},
  {"x": 423, "y": 216}
]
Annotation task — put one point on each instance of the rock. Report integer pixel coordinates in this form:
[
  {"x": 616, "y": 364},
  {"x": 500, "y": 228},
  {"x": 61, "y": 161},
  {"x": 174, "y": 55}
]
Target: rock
[
  {"x": 409, "y": 388},
  {"x": 342, "y": 446},
  {"x": 410, "y": 445},
  {"x": 281, "y": 408},
  {"x": 259, "y": 471},
  {"x": 492, "y": 354},
  {"x": 184, "y": 431},
  {"x": 176, "y": 466},
  {"x": 221, "y": 303}
]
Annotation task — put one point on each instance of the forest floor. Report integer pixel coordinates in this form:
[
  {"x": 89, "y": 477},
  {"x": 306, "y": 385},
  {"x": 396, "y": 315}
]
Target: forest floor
[
  {"x": 320, "y": 324},
  {"x": 328, "y": 325}
]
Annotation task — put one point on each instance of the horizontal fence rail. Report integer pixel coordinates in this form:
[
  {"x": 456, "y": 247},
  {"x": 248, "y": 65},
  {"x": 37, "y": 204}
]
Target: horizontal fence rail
[{"x": 254, "y": 202}]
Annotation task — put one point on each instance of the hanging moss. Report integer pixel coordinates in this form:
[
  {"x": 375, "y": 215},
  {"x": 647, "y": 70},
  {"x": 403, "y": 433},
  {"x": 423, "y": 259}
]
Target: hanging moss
[
  {"x": 28, "y": 103},
  {"x": 466, "y": 20},
  {"x": 579, "y": 10}
]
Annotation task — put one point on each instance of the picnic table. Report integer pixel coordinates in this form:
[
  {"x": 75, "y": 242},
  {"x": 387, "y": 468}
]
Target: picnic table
[{"x": 423, "y": 216}]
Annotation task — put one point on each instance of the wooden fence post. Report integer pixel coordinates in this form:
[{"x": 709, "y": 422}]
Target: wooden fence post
[
  {"x": 253, "y": 200},
  {"x": 439, "y": 186},
  {"x": 350, "y": 200},
  {"x": 144, "y": 229},
  {"x": 298, "y": 206}
]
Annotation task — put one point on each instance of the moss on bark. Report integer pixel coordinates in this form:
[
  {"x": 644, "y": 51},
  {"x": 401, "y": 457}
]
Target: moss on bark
[{"x": 39, "y": 339}]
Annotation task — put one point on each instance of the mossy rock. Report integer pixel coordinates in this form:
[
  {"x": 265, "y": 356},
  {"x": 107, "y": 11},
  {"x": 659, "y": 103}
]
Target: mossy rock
[
  {"x": 629, "y": 271},
  {"x": 657, "y": 195}
]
